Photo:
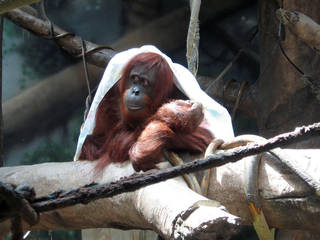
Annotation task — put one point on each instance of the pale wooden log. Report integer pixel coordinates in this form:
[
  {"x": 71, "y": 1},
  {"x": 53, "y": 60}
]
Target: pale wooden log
[
  {"x": 153, "y": 207},
  {"x": 280, "y": 95},
  {"x": 287, "y": 202},
  {"x": 302, "y": 26}
]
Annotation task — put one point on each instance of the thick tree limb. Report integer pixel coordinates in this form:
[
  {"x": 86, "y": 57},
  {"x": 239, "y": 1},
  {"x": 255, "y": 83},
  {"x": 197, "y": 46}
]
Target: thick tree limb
[
  {"x": 7, "y": 5},
  {"x": 308, "y": 31},
  {"x": 302, "y": 26},
  {"x": 153, "y": 207},
  {"x": 280, "y": 95},
  {"x": 287, "y": 202},
  {"x": 71, "y": 44},
  {"x": 84, "y": 195},
  {"x": 275, "y": 196}
]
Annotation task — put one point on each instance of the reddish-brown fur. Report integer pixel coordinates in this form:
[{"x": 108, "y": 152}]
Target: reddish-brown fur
[{"x": 174, "y": 125}]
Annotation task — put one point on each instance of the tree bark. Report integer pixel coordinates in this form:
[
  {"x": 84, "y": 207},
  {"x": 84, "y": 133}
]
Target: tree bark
[
  {"x": 70, "y": 43},
  {"x": 282, "y": 193},
  {"x": 155, "y": 206},
  {"x": 281, "y": 95},
  {"x": 152, "y": 207},
  {"x": 302, "y": 26}
]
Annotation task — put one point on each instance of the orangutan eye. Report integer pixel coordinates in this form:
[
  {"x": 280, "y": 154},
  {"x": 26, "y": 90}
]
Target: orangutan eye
[{"x": 134, "y": 78}]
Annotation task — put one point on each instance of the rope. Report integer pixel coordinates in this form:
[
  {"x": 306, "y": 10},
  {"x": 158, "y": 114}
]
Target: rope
[
  {"x": 190, "y": 179},
  {"x": 16, "y": 205}
]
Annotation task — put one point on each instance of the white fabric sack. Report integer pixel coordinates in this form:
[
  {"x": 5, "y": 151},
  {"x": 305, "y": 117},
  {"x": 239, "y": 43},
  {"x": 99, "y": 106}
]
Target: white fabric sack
[{"x": 216, "y": 117}]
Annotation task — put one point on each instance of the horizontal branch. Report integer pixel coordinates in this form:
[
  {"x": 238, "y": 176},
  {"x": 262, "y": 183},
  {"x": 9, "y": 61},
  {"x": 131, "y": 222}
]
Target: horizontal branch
[
  {"x": 153, "y": 207},
  {"x": 93, "y": 192},
  {"x": 156, "y": 206},
  {"x": 70, "y": 43}
]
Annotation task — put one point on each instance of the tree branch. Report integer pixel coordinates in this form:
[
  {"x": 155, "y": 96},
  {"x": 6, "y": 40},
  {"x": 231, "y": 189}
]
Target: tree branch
[
  {"x": 302, "y": 26},
  {"x": 279, "y": 190},
  {"x": 70, "y": 43},
  {"x": 93, "y": 192},
  {"x": 7, "y": 5},
  {"x": 153, "y": 207},
  {"x": 137, "y": 181}
]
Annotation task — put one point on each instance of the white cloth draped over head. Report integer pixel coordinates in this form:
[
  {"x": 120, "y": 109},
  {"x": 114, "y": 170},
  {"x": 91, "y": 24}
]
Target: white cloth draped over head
[{"x": 217, "y": 118}]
